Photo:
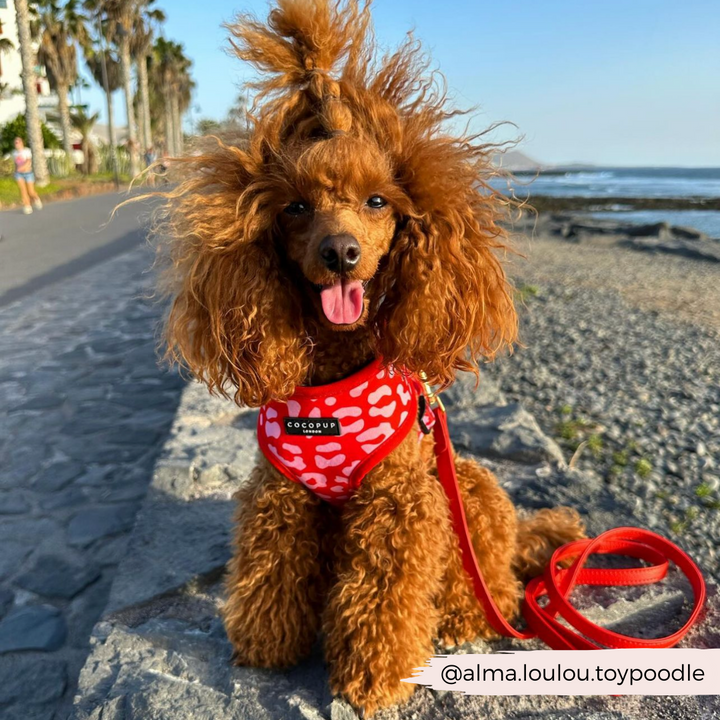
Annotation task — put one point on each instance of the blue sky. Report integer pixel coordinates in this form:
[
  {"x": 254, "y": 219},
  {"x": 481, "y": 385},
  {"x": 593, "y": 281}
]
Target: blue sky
[{"x": 611, "y": 82}]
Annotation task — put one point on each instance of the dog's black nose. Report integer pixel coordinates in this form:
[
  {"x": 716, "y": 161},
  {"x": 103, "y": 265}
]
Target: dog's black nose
[{"x": 340, "y": 253}]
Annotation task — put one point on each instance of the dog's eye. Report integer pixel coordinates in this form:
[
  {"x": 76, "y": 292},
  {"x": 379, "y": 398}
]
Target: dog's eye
[
  {"x": 376, "y": 202},
  {"x": 297, "y": 208}
]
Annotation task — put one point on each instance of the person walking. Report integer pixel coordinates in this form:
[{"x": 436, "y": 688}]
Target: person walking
[
  {"x": 22, "y": 156},
  {"x": 150, "y": 157}
]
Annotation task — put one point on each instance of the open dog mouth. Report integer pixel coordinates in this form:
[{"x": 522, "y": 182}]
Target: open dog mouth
[{"x": 342, "y": 300}]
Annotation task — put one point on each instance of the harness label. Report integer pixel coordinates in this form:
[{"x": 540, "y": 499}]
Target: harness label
[{"x": 312, "y": 426}]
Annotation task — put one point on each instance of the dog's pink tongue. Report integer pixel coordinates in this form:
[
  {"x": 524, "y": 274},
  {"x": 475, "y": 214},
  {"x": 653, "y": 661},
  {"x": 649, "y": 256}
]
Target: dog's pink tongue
[{"x": 342, "y": 302}]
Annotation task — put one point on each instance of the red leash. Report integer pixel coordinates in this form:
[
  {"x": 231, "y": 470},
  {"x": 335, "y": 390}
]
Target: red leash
[{"x": 557, "y": 583}]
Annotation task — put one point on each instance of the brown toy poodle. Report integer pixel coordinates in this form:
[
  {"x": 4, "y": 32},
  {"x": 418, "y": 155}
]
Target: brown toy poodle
[{"x": 349, "y": 227}]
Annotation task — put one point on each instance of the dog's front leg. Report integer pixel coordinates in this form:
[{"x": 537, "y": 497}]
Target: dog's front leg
[
  {"x": 275, "y": 582},
  {"x": 381, "y": 614}
]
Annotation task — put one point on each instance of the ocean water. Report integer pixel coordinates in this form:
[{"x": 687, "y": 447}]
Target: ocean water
[
  {"x": 634, "y": 182},
  {"x": 624, "y": 182}
]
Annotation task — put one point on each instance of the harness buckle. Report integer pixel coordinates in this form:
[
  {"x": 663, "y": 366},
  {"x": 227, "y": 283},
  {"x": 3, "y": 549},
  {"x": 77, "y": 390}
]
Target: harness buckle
[{"x": 432, "y": 396}]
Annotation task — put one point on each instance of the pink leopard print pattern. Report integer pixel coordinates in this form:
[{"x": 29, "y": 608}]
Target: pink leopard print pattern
[{"x": 376, "y": 408}]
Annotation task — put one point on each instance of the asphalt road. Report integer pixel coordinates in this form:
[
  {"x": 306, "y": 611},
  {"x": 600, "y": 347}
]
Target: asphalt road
[{"x": 64, "y": 239}]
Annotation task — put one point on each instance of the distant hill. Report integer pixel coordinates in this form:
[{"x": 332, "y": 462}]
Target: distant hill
[{"x": 514, "y": 160}]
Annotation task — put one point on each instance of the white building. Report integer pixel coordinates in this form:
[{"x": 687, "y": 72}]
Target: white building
[{"x": 12, "y": 100}]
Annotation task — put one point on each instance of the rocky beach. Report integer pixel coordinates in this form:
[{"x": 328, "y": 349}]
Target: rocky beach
[{"x": 619, "y": 361}]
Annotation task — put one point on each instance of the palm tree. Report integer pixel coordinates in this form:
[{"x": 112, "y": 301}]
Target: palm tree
[
  {"x": 6, "y": 46},
  {"x": 105, "y": 69},
  {"x": 30, "y": 89},
  {"x": 184, "y": 86},
  {"x": 119, "y": 16},
  {"x": 84, "y": 124},
  {"x": 171, "y": 76},
  {"x": 163, "y": 79},
  {"x": 123, "y": 12},
  {"x": 140, "y": 47},
  {"x": 59, "y": 28}
]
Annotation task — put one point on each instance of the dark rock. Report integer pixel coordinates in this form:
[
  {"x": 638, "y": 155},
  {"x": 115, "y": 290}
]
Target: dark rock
[
  {"x": 85, "y": 610},
  {"x": 89, "y": 394},
  {"x": 57, "y": 476},
  {"x": 661, "y": 231},
  {"x": 463, "y": 394},
  {"x": 78, "y": 354},
  {"x": 687, "y": 233},
  {"x": 95, "y": 476},
  {"x": 99, "y": 453},
  {"x": 704, "y": 250},
  {"x": 95, "y": 523},
  {"x": 143, "y": 401},
  {"x": 23, "y": 677},
  {"x": 132, "y": 436},
  {"x": 12, "y": 555},
  {"x": 25, "y": 462},
  {"x": 123, "y": 493},
  {"x": 7, "y": 597},
  {"x": 55, "y": 577},
  {"x": 110, "y": 550},
  {"x": 13, "y": 503},
  {"x": 41, "y": 402},
  {"x": 70, "y": 497},
  {"x": 34, "y": 627},
  {"x": 591, "y": 227},
  {"x": 508, "y": 432}
]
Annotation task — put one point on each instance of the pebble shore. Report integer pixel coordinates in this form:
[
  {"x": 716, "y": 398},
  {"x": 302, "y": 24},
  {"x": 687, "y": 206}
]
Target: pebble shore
[{"x": 607, "y": 360}]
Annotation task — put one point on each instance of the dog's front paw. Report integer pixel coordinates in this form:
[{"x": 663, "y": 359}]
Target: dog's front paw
[
  {"x": 259, "y": 641},
  {"x": 372, "y": 693},
  {"x": 458, "y": 628}
]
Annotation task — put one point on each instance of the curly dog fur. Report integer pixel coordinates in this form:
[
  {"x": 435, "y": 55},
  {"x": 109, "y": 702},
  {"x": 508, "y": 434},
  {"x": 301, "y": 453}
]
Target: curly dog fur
[{"x": 381, "y": 577}]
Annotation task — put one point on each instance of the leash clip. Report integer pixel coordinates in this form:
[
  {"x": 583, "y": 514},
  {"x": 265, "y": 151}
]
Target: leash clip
[{"x": 432, "y": 396}]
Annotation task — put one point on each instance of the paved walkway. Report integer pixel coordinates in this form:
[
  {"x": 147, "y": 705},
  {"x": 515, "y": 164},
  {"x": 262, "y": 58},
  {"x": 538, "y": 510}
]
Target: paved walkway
[
  {"x": 62, "y": 240},
  {"x": 86, "y": 410}
]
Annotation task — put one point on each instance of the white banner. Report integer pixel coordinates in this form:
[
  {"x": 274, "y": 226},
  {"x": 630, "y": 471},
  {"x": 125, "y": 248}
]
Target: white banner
[{"x": 636, "y": 671}]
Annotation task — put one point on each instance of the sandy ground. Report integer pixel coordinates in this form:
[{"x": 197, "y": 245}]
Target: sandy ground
[{"x": 678, "y": 287}]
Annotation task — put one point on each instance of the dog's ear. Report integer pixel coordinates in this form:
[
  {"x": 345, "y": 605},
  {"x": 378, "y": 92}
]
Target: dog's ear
[
  {"x": 445, "y": 300},
  {"x": 234, "y": 322}
]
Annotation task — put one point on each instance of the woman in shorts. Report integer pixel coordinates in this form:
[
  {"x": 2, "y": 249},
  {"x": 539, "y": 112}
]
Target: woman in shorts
[{"x": 24, "y": 176}]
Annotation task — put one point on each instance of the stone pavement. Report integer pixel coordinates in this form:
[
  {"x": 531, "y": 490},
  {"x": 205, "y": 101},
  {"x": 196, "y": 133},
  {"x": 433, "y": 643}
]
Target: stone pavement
[
  {"x": 64, "y": 239},
  {"x": 160, "y": 651},
  {"x": 85, "y": 413}
]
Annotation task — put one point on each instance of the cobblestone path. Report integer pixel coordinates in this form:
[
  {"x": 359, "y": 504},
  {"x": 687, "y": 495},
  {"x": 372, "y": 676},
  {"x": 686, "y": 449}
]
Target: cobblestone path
[{"x": 85, "y": 410}]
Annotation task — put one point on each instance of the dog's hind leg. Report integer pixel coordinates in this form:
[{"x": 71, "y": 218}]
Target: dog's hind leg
[
  {"x": 492, "y": 521},
  {"x": 508, "y": 549},
  {"x": 276, "y": 578}
]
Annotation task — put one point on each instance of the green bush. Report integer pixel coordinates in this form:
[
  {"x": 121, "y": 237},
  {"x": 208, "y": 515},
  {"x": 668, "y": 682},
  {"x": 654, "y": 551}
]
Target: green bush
[
  {"x": 105, "y": 164},
  {"x": 18, "y": 128},
  {"x": 7, "y": 167}
]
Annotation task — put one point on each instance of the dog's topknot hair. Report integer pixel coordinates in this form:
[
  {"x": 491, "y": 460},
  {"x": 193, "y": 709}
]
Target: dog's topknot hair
[{"x": 300, "y": 48}]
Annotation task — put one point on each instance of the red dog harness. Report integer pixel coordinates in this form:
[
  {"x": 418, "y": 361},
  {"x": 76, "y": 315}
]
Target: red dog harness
[{"x": 329, "y": 437}]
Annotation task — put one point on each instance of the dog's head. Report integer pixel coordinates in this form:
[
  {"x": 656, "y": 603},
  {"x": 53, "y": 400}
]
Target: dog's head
[{"x": 347, "y": 209}]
